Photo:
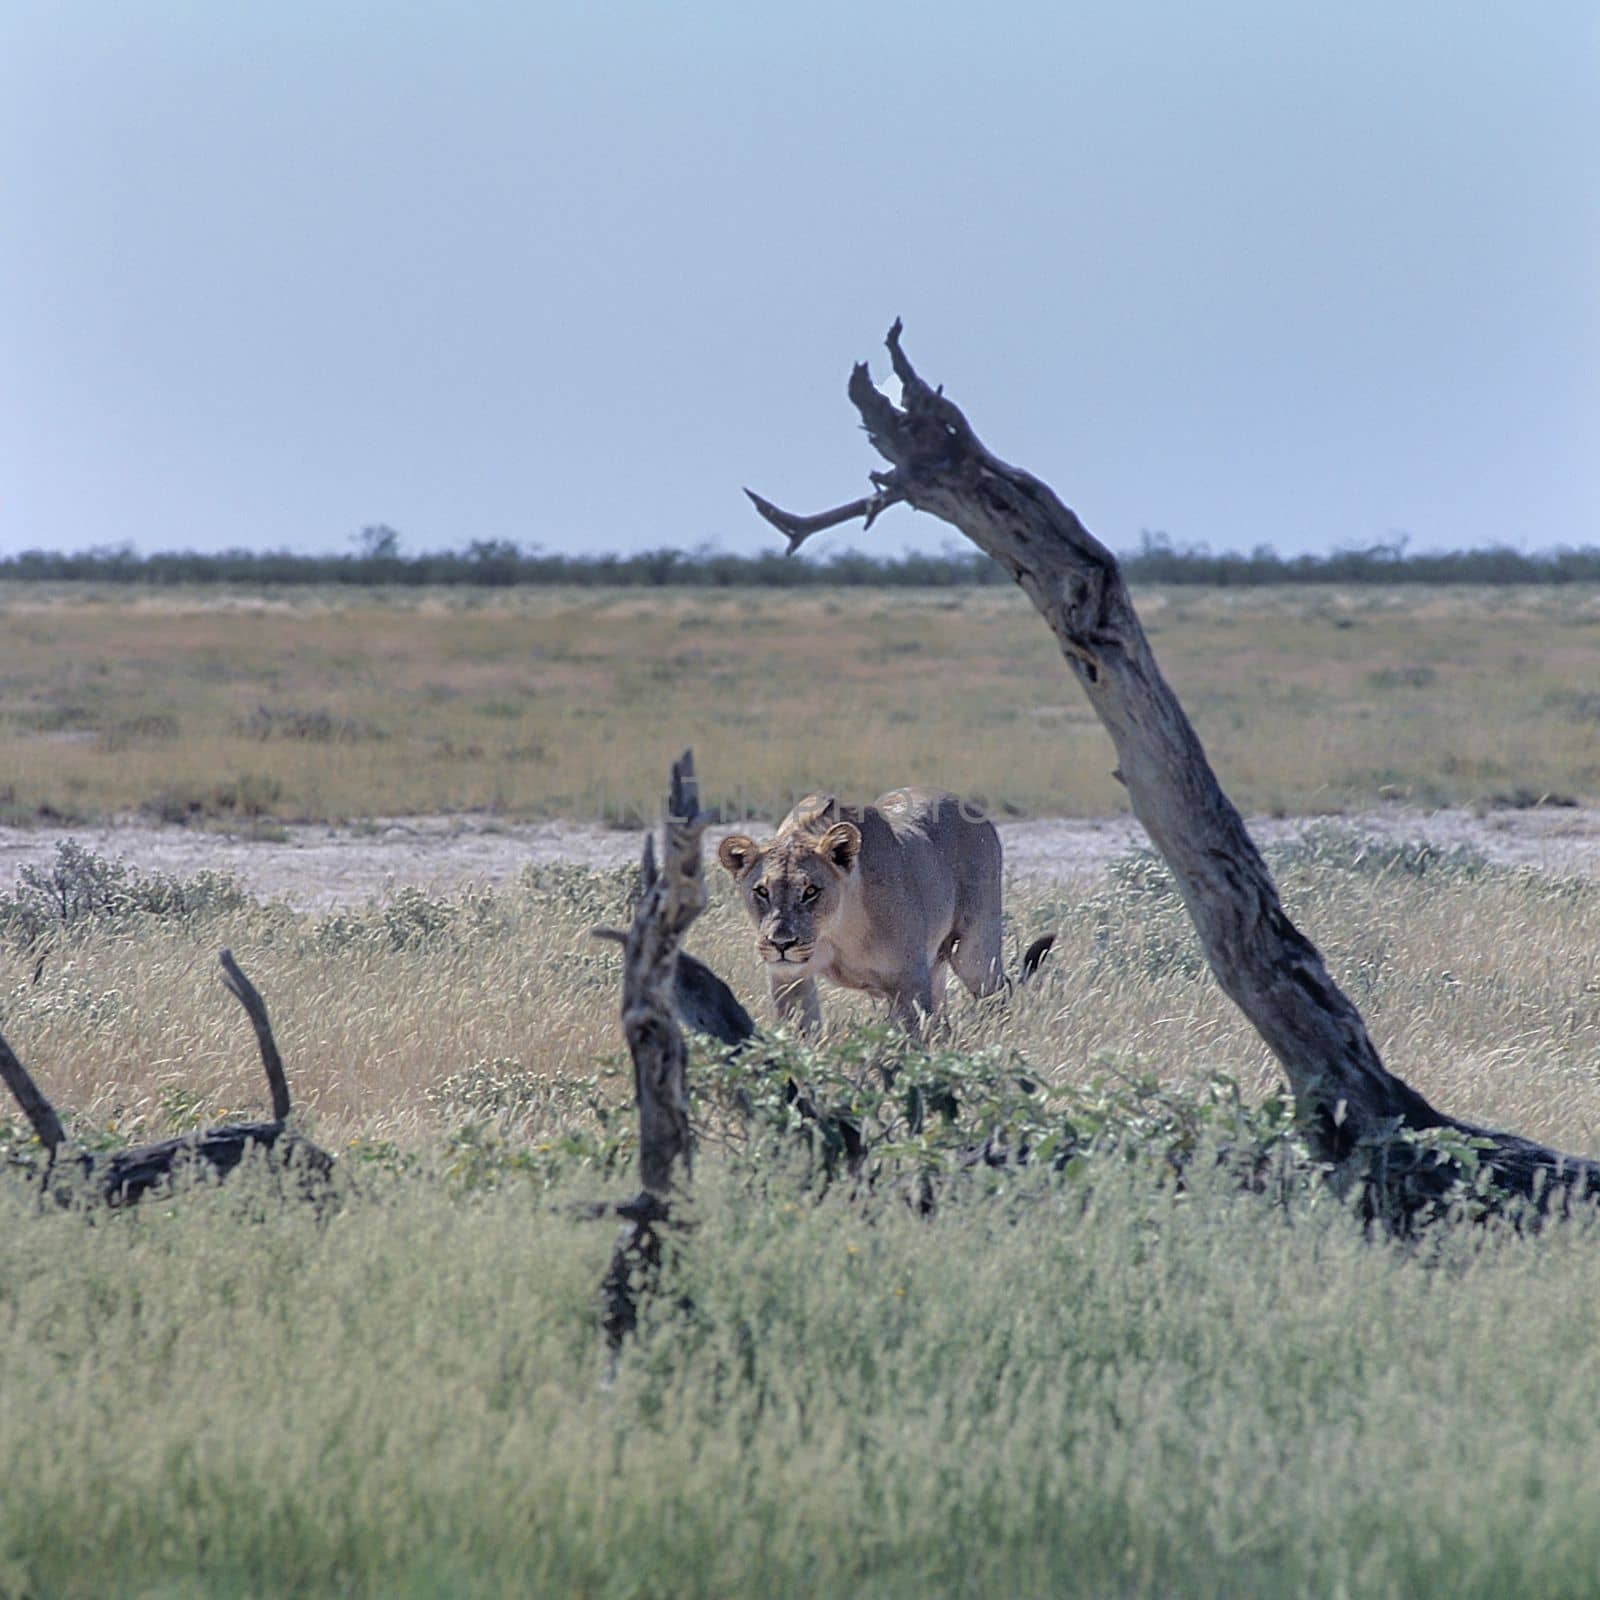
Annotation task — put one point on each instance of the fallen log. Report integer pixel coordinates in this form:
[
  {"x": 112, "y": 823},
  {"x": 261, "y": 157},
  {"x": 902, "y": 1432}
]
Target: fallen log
[
  {"x": 124, "y": 1177},
  {"x": 1376, "y": 1132}
]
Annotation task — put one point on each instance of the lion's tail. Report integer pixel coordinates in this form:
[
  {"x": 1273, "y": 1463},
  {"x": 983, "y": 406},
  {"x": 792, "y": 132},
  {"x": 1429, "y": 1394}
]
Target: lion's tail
[{"x": 1033, "y": 956}]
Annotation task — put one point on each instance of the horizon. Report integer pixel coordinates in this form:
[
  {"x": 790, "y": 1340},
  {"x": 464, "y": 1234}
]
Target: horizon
[{"x": 952, "y": 548}]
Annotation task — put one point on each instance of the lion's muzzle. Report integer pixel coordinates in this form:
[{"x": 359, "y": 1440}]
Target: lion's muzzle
[{"x": 786, "y": 955}]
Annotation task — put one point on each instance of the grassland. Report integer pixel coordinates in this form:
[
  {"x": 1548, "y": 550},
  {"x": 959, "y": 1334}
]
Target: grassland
[
  {"x": 1481, "y": 984},
  {"x": 326, "y": 704},
  {"x": 1104, "y": 1392},
  {"x": 1078, "y": 1383},
  {"x": 1087, "y": 1381}
]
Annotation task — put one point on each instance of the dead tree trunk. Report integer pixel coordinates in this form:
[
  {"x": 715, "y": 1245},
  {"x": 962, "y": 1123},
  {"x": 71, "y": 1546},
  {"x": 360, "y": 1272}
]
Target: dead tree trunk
[
  {"x": 670, "y": 898},
  {"x": 124, "y": 1177},
  {"x": 1355, "y": 1113}
]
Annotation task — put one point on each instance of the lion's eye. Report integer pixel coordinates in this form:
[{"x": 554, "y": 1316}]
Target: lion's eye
[
  {"x": 760, "y": 891},
  {"x": 812, "y": 891}
]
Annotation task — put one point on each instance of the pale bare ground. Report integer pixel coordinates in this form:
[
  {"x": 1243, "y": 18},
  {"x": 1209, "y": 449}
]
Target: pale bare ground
[{"x": 321, "y": 868}]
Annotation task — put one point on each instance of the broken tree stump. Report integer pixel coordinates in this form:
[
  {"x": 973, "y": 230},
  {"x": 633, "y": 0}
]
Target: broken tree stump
[{"x": 671, "y": 896}]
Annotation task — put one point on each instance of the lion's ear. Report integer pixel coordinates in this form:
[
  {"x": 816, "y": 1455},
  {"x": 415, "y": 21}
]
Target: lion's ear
[
  {"x": 737, "y": 852},
  {"x": 815, "y": 810},
  {"x": 841, "y": 844}
]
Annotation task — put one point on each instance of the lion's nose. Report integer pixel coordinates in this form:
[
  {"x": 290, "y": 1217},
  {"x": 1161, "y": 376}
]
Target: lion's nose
[{"x": 780, "y": 944}]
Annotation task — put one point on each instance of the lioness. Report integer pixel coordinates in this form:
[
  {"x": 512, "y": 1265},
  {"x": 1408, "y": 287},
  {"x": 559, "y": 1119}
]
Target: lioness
[{"x": 886, "y": 898}]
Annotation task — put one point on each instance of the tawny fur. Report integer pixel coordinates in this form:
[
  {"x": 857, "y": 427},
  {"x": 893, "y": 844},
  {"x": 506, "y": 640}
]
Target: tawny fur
[{"x": 888, "y": 898}]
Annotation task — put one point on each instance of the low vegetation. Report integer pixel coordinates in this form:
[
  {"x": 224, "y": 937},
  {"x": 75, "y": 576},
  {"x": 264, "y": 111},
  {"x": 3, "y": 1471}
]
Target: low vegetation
[
  {"x": 380, "y": 558},
  {"x": 400, "y": 1020},
  {"x": 1159, "y": 1357},
  {"x": 244, "y": 709},
  {"x": 1097, "y": 1388}
]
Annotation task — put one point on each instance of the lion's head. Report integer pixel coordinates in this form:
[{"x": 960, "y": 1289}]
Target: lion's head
[{"x": 794, "y": 884}]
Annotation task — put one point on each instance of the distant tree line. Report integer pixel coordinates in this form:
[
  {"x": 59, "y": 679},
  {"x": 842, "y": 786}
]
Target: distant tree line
[{"x": 501, "y": 563}]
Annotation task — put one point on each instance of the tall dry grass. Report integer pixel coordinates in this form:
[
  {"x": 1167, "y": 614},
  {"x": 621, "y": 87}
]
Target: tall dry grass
[
  {"x": 334, "y": 704},
  {"x": 1078, "y": 1383},
  {"x": 1481, "y": 985}
]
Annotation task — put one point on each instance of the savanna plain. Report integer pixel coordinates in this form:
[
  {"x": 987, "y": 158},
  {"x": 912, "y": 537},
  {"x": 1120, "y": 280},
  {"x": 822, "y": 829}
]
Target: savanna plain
[{"x": 1159, "y": 1358}]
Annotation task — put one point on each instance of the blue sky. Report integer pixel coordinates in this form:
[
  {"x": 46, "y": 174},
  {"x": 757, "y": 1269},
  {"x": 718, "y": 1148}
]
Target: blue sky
[{"x": 572, "y": 274}]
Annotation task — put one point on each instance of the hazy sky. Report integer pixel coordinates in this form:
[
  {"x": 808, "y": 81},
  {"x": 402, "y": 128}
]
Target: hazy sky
[{"x": 571, "y": 274}]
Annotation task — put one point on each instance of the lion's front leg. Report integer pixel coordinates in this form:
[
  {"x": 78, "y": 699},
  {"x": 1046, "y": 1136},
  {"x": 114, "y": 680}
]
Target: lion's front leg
[
  {"x": 912, "y": 1002},
  {"x": 793, "y": 997}
]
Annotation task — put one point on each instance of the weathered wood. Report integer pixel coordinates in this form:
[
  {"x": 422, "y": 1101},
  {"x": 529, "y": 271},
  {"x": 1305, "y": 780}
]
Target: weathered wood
[
  {"x": 671, "y": 896},
  {"x": 702, "y": 1001},
  {"x": 799, "y": 529},
  {"x": 1355, "y": 1112},
  {"x": 124, "y": 1177},
  {"x": 36, "y": 1108},
  {"x": 255, "y": 1008},
  {"x": 707, "y": 1005}
]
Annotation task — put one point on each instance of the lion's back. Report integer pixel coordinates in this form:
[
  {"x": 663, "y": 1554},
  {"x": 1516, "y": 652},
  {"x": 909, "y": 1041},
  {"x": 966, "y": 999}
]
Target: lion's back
[{"x": 942, "y": 845}]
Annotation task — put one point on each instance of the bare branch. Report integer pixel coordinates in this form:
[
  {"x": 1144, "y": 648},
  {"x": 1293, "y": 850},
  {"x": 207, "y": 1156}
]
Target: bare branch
[
  {"x": 124, "y": 1177},
  {"x": 36, "y": 1108},
  {"x": 878, "y": 414},
  {"x": 255, "y": 1008},
  {"x": 798, "y": 529},
  {"x": 706, "y": 1004},
  {"x": 898, "y": 359},
  {"x": 683, "y": 791}
]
